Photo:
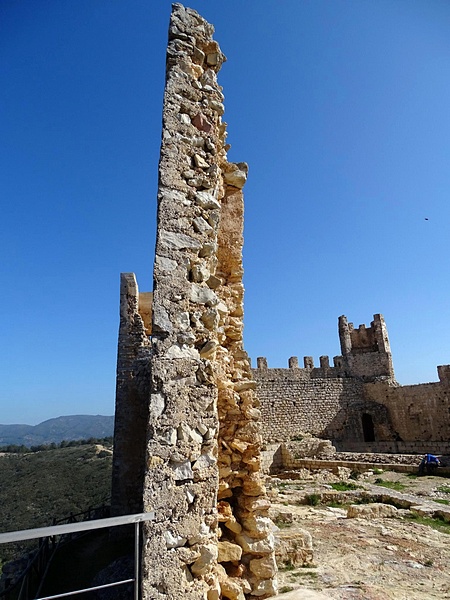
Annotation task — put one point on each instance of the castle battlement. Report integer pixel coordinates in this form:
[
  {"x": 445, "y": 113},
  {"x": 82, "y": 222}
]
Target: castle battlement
[
  {"x": 308, "y": 371},
  {"x": 356, "y": 401}
]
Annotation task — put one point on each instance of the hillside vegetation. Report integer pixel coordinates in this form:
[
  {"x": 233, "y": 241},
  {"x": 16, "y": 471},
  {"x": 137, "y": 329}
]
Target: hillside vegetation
[{"x": 38, "y": 487}]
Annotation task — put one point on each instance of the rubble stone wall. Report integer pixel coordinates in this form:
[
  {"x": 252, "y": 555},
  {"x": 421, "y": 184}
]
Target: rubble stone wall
[
  {"x": 187, "y": 437},
  {"x": 356, "y": 403},
  {"x": 292, "y": 403},
  {"x": 132, "y": 393},
  {"x": 420, "y": 413},
  {"x": 413, "y": 418}
]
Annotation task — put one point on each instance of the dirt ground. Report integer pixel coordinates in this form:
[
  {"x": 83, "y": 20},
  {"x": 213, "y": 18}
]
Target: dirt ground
[{"x": 395, "y": 558}]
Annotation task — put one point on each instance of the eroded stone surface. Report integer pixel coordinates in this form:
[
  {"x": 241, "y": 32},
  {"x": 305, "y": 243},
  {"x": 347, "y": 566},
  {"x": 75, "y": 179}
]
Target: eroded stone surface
[{"x": 184, "y": 371}]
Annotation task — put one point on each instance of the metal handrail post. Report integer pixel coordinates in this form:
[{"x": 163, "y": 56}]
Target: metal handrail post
[{"x": 136, "y": 561}]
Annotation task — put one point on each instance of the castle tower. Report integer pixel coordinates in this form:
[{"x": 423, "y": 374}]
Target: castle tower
[
  {"x": 366, "y": 351},
  {"x": 212, "y": 536}
]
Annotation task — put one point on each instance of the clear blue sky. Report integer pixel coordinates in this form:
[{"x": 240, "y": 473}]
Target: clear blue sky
[{"x": 341, "y": 109}]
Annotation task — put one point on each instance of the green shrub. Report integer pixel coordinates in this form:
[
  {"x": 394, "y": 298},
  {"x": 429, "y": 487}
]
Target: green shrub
[
  {"x": 345, "y": 486},
  {"x": 312, "y": 499}
]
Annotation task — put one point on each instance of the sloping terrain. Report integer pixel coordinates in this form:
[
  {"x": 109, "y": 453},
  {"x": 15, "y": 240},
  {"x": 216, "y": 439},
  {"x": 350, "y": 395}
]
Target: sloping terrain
[
  {"x": 38, "y": 487},
  {"x": 402, "y": 557}
]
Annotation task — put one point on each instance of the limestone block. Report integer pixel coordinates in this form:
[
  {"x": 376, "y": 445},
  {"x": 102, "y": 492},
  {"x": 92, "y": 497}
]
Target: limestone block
[
  {"x": 206, "y": 200},
  {"x": 371, "y": 511},
  {"x": 177, "y": 241},
  {"x": 157, "y": 405},
  {"x": 236, "y": 178},
  {"x": 248, "y": 384},
  {"x": 173, "y": 540},
  {"x": 264, "y": 568},
  {"x": 218, "y": 107},
  {"x": 182, "y": 470},
  {"x": 257, "y": 526},
  {"x": 187, "y": 555},
  {"x": 184, "y": 118},
  {"x": 166, "y": 436},
  {"x": 209, "y": 77},
  {"x": 161, "y": 321},
  {"x": 214, "y": 282},
  {"x": 265, "y": 588},
  {"x": 200, "y": 162},
  {"x": 181, "y": 351},
  {"x": 207, "y": 250},
  {"x": 255, "y": 546},
  {"x": 203, "y": 295},
  {"x": 229, "y": 552},
  {"x": 187, "y": 434},
  {"x": 253, "y": 486},
  {"x": 295, "y": 548},
  {"x": 208, "y": 350},
  {"x": 165, "y": 264},
  {"x": 255, "y": 505},
  {"x": 206, "y": 561},
  {"x": 202, "y": 536},
  {"x": 200, "y": 272},
  {"x": 210, "y": 318}
]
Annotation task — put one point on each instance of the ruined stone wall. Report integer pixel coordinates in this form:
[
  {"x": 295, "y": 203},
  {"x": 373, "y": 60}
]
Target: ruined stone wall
[
  {"x": 132, "y": 393},
  {"x": 297, "y": 400},
  {"x": 357, "y": 402},
  {"x": 211, "y": 538},
  {"x": 405, "y": 418},
  {"x": 418, "y": 412}
]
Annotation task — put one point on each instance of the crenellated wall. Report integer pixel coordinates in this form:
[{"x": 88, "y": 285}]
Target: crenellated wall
[{"x": 356, "y": 403}]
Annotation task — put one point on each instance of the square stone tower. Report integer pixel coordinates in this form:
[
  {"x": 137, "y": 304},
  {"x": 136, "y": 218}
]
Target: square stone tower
[{"x": 184, "y": 377}]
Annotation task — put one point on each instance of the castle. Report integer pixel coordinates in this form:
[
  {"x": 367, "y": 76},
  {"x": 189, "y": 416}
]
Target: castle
[
  {"x": 356, "y": 403},
  {"x": 189, "y": 409}
]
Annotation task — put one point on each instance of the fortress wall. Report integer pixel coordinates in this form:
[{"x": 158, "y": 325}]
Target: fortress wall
[
  {"x": 419, "y": 413},
  {"x": 292, "y": 402},
  {"x": 406, "y": 419},
  {"x": 356, "y": 403}
]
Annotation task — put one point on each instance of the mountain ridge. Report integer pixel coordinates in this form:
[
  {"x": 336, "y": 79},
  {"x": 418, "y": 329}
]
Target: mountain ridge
[{"x": 68, "y": 428}]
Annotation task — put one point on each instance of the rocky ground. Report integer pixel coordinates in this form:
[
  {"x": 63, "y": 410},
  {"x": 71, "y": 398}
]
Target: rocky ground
[{"x": 404, "y": 556}]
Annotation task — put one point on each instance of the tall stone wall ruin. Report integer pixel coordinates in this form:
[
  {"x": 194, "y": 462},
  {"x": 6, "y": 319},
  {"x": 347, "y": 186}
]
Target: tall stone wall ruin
[
  {"x": 356, "y": 403},
  {"x": 212, "y": 537}
]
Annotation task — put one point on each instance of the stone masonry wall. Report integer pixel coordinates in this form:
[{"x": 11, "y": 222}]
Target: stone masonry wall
[
  {"x": 132, "y": 393},
  {"x": 211, "y": 538},
  {"x": 356, "y": 403},
  {"x": 418, "y": 412},
  {"x": 292, "y": 403},
  {"x": 405, "y": 419}
]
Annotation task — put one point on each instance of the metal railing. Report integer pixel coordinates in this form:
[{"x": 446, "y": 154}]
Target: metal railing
[{"x": 70, "y": 528}]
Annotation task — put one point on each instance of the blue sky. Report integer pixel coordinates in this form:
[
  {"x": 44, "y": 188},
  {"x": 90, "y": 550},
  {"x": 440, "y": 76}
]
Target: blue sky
[{"x": 341, "y": 109}]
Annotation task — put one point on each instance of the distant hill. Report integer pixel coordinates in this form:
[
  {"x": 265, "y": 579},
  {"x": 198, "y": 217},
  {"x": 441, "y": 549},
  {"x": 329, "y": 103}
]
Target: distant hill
[{"x": 72, "y": 427}]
